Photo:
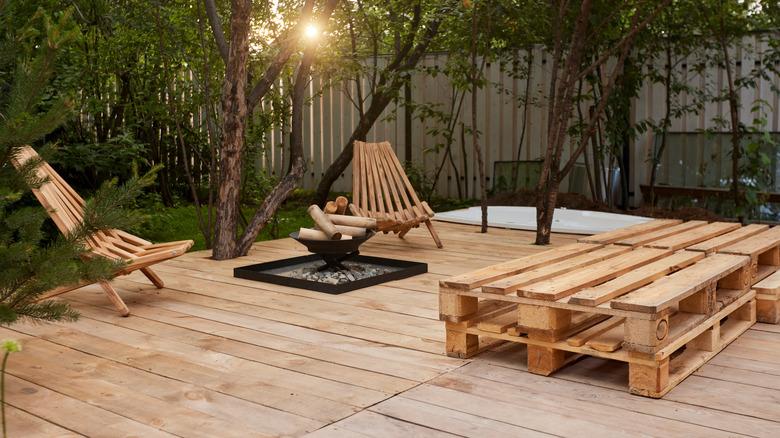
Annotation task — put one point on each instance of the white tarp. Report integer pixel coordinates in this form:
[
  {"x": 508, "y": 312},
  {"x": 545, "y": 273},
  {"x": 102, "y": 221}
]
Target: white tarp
[{"x": 524, "y": 218}]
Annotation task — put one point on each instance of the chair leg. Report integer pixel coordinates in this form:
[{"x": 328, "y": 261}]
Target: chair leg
[
  {"x": 153, "y": 277},
  {"x": 433, "y": 234},
  {"x": 116, "y": 300}
]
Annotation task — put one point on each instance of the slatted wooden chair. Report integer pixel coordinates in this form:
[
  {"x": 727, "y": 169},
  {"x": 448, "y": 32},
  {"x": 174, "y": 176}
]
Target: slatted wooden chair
[
  {"x": 66, "y": 207},
  {"x": 381, "y": 189}
]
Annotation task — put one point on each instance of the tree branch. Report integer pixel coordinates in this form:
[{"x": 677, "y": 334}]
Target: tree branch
[
  {"x": 287, "y": 43},
  {"x": 216, "y": 28},
  {"x": 627, "y": 39}
]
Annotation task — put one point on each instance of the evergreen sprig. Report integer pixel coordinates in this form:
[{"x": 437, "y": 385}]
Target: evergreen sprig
[{"x": 32, "y": 263}]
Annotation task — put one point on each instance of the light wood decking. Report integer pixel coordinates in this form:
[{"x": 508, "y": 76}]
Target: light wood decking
[{"x": 211, "y": 355}]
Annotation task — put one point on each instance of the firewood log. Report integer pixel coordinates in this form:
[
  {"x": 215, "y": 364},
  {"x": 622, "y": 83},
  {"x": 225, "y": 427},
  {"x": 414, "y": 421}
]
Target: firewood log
[
  {"x": 353, "y": 221},
  {"x": 309, "y": 234},
  {"x": 346, "y": 230},
  {"x": 323, "y": 223},
  {"x": 341, "y": 205}
]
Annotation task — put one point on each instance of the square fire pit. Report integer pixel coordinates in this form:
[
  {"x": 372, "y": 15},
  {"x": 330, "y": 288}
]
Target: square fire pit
[{"x": 310, "y": 272}]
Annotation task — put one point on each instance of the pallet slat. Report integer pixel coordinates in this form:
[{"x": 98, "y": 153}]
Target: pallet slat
[
  {"x": 712, "y": 245},
  {"x": 663, "y": 293},
  {"x": 623, "y": 233},
  {"x": 596, "y": 273},
  {"x": 755, "y": 244},
  {"x": 512, "y": 283},
  {"x": 649, "y": 304},
  {"x": 646, "y": 238},
  {"x": 471, "y": 280},
  {"x": 694, "y": 236},
  {"x": 635, "y": 279}
]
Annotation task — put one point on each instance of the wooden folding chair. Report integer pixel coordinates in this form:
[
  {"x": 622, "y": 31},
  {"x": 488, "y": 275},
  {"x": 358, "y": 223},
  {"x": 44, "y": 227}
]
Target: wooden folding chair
[
  {"x": 381, "y": 189},
  {"x": 66, "y": 207}
]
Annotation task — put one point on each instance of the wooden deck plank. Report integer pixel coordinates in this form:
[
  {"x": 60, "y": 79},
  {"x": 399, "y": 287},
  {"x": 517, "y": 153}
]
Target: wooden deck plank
[
  {"x": 380, "y": 426},
  {"x": 287, "y": 336},
  {"x": 248, "y": 344},
  {"x": 579, "y": 383},
  {"x": 560, "y": 414},
  {"x": 450, "y": 420},
  {"x": 69, "y": 414},
  {"x": 109, "y": 394},
  {"x": 207, "y": 368},
  {"x": 21, "y": 423}
]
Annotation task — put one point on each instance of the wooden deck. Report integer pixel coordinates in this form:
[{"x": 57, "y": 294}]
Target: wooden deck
[{"x": 216, "y": 356}]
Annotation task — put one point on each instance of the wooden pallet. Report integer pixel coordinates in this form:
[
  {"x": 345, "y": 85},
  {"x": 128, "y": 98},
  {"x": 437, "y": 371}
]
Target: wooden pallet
[
  {"x": 664, "y": 312},
  {"x": 768, "y": 299},
  {"x": 759, "y": 242}
]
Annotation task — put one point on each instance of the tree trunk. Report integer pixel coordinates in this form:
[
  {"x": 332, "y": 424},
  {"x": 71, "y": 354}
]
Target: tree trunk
[
  {"x": 736, "y": 134},
  {"x": 562, "y": 88},
  {"x": 474, "y": 131},
  {"x": 234, "y": 111},
  {"x": 545, "y": 209},
  {"x": 665, "y": 128}
]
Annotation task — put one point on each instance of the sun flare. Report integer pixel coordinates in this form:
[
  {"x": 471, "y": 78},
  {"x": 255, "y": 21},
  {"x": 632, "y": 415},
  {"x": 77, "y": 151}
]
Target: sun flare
[{"x": 311, "y": 31}]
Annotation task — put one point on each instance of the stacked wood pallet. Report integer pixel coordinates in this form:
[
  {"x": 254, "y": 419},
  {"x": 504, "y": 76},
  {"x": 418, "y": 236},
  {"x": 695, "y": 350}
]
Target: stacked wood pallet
[{"x": 664, "y": 296}]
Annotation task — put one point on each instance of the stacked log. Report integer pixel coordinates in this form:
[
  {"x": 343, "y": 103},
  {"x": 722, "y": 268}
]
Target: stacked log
[{"x": 333, "y": 224}]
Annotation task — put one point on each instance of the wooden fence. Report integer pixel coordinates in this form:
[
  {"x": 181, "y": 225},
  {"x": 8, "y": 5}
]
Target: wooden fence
[{"x": 331, "y": 117}]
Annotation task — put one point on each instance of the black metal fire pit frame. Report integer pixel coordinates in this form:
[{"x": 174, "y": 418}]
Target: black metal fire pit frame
[{"x": 259, "y": 272}]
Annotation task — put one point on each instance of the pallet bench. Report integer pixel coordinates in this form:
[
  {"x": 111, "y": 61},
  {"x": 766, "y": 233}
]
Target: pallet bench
[
  {"x": 662, "y": 310},
  {"x": 759, "y": 242}
]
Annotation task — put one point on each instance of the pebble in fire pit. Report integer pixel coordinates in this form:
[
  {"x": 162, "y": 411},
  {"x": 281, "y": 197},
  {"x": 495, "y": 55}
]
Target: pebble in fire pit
[{"x": 355, "y": 271}]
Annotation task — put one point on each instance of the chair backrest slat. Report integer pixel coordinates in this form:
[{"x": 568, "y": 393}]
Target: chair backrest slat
[
  {"x": 388, "y": 156},
  {"x": 63, "y": 204},
  {"x": 380, "y": 184},
  {"x": 66, "y": 209}
]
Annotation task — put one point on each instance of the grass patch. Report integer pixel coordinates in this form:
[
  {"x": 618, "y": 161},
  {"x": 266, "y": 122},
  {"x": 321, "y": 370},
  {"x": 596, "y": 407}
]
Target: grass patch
[
  {"x": 164, "y": 224},
  {"x": 181, "y": 223}
]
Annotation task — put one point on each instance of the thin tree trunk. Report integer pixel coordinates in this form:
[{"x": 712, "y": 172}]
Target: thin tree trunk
[
  {"x": 234, "y": 112},
  {"x": 736, "y": 134},
  {"x": 665, "y": 125},
  {"x": 474, "y": 131}
]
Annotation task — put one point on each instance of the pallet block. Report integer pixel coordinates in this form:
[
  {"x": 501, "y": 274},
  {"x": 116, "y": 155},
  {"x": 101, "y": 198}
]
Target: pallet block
[
  {"x": 646, "y": 307},
  {"x": 768, "y": 299},
  {"x": 764, "y": 251}
]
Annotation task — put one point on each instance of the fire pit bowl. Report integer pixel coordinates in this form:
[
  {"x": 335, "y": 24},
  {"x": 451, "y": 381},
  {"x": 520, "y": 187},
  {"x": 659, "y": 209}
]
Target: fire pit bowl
[
  {"x": 333, "y": 252},
  {"x": 344, "y": 269},
  {"x": 334, "y": 247}
]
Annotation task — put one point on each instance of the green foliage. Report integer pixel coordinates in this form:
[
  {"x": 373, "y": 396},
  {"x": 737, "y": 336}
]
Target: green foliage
[
  {"x": 90, "y": 164},
  {"x": 32, "y": 262}
]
